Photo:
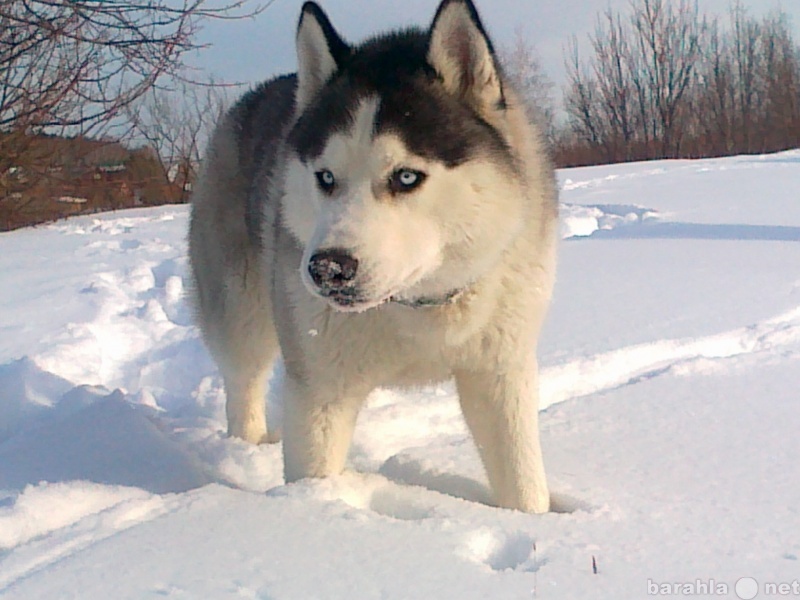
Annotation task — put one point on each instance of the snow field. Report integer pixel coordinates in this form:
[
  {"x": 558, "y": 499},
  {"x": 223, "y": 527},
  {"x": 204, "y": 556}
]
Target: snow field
[{"x": 670, "y": 370}]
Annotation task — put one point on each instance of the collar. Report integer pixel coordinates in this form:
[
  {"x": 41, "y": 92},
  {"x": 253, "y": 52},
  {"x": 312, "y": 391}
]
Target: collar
[{"x": 449, "y": 298}]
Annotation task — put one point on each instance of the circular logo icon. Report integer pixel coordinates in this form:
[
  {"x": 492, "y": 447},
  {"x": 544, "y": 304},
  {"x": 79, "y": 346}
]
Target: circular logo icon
[{"x": 746, "y": 588}]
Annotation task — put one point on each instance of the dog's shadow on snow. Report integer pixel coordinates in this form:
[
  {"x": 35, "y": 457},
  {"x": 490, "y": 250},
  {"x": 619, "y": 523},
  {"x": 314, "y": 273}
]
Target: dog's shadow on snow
[
  {"x": 402, "y": 470},
  {"x": 410, "y": 472}
]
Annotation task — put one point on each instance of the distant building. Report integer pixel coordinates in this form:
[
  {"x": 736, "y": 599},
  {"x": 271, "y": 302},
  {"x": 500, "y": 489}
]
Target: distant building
[{"x": 52, "y": 177}]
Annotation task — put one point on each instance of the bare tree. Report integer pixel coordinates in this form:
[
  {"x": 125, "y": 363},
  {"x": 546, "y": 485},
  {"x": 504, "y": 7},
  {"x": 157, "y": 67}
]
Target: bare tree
[
  {"x": 780, "y": 96},
  {"x": 175, "y": 123},
  {"x": 669, "y": 38},
  {"x": 750, "y": 86},
  {"x": 524, "y": 68},
  {"x": 714, "y": 97},
  {"x": 639, "y": 73},
  {"x": 745, "y": 37},
  {"x": 74, "y": 63},
  {"x": 73, "y": 66},
  {"x": 615, "y": 85},
  {"x": 582, "y": 104}
]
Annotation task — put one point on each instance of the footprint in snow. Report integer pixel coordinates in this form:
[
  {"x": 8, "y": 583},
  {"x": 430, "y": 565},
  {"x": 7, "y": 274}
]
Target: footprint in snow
[{"x": 502, "y": 550}]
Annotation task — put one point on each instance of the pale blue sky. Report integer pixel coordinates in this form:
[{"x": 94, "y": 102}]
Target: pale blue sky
[{"x": 253, "y": 50}]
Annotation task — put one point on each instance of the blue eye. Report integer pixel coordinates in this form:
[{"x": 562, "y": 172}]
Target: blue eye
[
  {"x": 408, "y": 178},
  {"x": 325, "y": 180},
  {"x": 405, "y": 180}
]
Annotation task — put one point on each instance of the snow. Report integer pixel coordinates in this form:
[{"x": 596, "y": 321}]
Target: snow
[{"x": 670, "y": 377}]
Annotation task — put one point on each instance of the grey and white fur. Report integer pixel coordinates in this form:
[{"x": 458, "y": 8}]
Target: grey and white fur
[{"x": 385, "y": 217}]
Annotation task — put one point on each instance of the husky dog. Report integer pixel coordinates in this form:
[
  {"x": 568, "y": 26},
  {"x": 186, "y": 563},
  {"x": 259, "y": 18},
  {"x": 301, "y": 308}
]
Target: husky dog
[{"x": 385, "y": 217}]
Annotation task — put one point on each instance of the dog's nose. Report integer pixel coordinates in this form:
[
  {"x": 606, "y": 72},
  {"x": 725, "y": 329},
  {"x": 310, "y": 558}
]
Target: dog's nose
[{"x": 332, "y": 269}]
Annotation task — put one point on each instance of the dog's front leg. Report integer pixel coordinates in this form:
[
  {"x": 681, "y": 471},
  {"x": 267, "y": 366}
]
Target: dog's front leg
[
  {"x": 318, "y": 429},
  {"x": 245, "y": 407},
  {"x": 501, "y": 410}
]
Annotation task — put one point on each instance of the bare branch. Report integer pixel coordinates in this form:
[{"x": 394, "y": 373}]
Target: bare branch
[{"x": 524, "y": 69}]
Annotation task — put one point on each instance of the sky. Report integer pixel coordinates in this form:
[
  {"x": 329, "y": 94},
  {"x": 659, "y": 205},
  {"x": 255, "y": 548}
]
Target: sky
[{"x": 256, "y": 49}]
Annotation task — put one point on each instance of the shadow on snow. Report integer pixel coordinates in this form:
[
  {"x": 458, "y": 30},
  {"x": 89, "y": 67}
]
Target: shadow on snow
[{"x": 698, "y": 231}]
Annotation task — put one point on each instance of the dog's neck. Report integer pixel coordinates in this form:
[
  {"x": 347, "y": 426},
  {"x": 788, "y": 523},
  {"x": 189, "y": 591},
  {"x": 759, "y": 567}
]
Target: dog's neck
[{"x": 430, "y": 302}]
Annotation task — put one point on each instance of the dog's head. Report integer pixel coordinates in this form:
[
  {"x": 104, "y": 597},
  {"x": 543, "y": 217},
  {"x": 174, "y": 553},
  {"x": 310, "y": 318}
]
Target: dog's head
[{"x": 400, "y": 183}]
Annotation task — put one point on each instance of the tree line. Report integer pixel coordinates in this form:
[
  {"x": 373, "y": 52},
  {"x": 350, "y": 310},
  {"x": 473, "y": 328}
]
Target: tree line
[{"x": 663, "y": 80}]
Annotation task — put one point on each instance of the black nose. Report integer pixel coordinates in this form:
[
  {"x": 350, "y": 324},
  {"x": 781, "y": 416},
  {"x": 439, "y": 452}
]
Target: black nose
[{"x": 332, "y": 269}]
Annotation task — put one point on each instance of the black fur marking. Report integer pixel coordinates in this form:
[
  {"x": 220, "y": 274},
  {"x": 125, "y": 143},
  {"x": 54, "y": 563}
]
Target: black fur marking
[
  {"x": 255, "y": 117},
  {"x": 413, "y": 104}
]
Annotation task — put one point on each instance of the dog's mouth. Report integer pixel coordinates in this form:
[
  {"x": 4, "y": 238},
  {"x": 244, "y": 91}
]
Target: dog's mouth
[{"x": 350, "y": 299}]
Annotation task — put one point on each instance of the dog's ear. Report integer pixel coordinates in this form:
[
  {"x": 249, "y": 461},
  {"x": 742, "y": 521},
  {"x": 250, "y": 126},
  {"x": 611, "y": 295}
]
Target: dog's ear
[
  {"x": 462, "y": 54},
  {"x": 320, "y": 52}
]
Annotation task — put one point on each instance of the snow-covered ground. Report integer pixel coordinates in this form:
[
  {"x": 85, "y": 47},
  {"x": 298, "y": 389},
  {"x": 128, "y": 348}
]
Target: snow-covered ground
[{"x": 671, "y": 420}]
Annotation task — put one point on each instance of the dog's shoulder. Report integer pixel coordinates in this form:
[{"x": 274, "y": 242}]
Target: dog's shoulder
[{"x": 260, "y": 118}]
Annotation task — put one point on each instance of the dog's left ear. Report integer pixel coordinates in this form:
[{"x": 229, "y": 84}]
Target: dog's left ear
[
  {"x": 462, "y": 54},
  {"x": 320, "y": 52}
]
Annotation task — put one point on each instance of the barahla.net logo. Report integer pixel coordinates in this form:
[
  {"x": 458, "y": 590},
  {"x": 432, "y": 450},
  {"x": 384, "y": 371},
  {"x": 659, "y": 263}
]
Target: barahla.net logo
[
  {"x": 698, "y": 587},
  {"x": 745, "y": 588}
]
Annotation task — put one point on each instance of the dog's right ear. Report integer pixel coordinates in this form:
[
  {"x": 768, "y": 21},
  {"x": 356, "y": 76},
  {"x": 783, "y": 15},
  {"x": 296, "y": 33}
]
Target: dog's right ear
[
  {"x": 460, "y": 51},
  {"x": 320, "y": 52}
]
